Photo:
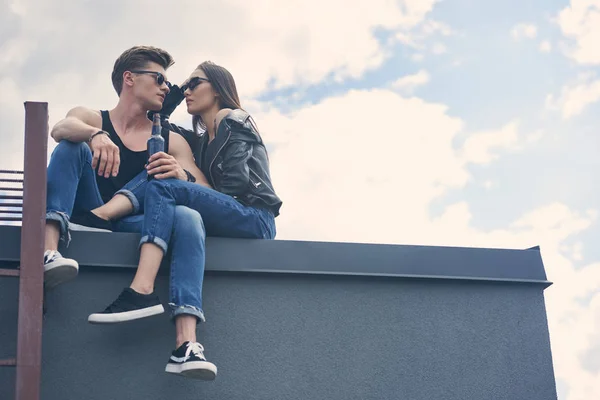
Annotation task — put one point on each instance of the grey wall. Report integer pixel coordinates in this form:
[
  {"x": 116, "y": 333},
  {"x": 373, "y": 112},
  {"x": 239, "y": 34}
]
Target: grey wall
[{"x": 276, "y": 336}]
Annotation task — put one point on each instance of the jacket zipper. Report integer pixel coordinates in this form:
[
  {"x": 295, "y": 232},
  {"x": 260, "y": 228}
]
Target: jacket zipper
[
  {"x": 216, "y": 154},
  {"x": 256, "y": 185}
]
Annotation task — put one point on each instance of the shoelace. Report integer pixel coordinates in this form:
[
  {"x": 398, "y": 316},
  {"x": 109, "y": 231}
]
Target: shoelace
[
  {"x": 113, "y": 307},
  {"x": 51, "y": 256},
  {"x": 195, "y": 348}
]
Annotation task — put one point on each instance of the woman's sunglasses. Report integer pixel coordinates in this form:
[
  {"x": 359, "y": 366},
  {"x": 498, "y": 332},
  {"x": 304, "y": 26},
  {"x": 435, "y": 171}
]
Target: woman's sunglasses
[
  {"x": 193, "y": 83},
  {"x": 160, "y": 78}
]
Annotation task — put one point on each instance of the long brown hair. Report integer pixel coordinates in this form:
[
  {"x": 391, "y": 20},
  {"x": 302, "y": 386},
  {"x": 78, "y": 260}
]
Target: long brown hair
[{"x": 223, "y": 83}]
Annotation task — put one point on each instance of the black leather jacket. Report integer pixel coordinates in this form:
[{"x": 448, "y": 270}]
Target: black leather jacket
[{"x": 239, "y": 164}]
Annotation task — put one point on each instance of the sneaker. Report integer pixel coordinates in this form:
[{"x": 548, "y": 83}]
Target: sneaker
[
  {"x": 130, "y": 305},
  {"x": 89, "y": 219},
  {"x": 58, "y": 269},
  {"x": 188, "y": 360}
]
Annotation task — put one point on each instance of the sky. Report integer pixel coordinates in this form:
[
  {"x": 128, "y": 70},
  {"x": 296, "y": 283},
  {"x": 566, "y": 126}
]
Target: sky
[{"x": 456, "y": 122}]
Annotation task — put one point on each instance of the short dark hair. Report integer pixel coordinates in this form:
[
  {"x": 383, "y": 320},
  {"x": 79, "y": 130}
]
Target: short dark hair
[{"x": 135, "y": 58}]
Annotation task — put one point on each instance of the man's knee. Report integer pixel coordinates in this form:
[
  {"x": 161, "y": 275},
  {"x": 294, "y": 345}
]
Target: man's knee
[
  {"x": 67, "y": 149},
  {"x": 189, "y": 221}
]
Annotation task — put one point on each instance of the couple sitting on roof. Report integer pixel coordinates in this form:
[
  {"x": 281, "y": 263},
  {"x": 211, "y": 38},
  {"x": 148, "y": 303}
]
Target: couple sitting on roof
[{"x": 214, "y": 181}]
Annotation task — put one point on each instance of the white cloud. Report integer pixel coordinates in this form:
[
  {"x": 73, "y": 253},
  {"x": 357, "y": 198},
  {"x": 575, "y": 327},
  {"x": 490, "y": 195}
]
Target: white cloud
[
  {"x": 408, "y": 145},
  {"x": 575, "y": 97},
  {"x": 432, "y": 27},
  {"x": 524, "y": 30},
  {"x": 545, "y": 46},
  {"x": 298, "y": 47},
  {"x": 439, "y": 48},
  {"x": 409, "y": 82},
  {"x": 580, "y": 22},
  {"x": 482, "y": 147}
]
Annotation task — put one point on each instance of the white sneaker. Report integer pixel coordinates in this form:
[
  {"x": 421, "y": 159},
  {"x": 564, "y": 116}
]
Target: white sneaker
[
  {"x": 188, "y": 360},
  {"x": 58, "y": 269}
]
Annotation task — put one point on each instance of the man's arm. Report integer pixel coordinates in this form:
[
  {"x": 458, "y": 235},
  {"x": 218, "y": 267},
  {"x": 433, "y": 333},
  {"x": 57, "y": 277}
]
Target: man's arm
[
  {"x": 172, "y": 165},
  {"x": 78, "y": 126}
]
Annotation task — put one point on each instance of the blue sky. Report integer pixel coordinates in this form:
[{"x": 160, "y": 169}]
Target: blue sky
[{"x": 455, "y": 122}]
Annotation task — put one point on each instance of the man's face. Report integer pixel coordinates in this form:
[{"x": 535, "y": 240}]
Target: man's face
[{"x": 150, "y": 86}]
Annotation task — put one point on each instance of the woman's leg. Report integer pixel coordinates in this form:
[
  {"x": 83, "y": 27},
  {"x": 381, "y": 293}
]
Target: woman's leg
[
  {"x": 222, "y": 215},
  {"x": 128, "y": 200}
]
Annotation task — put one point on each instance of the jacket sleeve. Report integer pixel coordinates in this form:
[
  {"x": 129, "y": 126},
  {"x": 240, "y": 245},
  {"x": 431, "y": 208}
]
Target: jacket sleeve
[{"x": 236, "y": 173}]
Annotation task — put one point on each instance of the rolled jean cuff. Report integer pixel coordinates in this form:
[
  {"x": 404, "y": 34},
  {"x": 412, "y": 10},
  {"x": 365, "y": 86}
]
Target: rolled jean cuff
[
  {"x": 134, "y": 201},
  {"x": 156, "y": 240},
  {"x": 63, "y": 220},
  {"x": 187, "y": 310}
]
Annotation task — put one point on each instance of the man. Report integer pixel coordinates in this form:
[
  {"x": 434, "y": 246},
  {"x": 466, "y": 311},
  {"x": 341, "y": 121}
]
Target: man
[{"x": 101, "y": 153}]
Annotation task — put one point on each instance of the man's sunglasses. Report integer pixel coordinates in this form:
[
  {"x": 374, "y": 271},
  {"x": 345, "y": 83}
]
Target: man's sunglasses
[
  {"x": 160, "y": 78},
  {"x": 193, "y": 83}
]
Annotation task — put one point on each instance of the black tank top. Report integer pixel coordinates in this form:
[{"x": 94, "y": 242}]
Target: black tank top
[{"x": 132, "y": 162}]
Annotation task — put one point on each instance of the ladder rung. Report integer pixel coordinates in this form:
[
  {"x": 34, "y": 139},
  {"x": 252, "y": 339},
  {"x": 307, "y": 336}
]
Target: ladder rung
[
  {"x": 10, "y": 272},
  {"x": 8, "y": 362}
]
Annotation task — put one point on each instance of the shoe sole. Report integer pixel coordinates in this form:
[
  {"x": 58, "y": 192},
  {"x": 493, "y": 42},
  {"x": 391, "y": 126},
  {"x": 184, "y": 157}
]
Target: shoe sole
[
  {"x": 201, "y": 370},
  {"x": 125, "y": 316},
  {"x": 55, "y": 275}
]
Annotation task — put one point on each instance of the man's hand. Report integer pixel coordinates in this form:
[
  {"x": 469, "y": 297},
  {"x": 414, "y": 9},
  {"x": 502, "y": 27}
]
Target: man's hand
[
  {"x": 163, "y": 165},
  {"x": 106, "y": 154}
]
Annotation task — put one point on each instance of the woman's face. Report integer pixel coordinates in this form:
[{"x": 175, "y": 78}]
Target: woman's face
[{"x": 199, "y": 93}]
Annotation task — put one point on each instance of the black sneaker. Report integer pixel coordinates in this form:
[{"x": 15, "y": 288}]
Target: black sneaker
[
  {"x": 128, "y": 306},
  {"x": 188, "y": 360},
  {"x": 58, "y": 269},
  {"x": 89, "y": 219}
]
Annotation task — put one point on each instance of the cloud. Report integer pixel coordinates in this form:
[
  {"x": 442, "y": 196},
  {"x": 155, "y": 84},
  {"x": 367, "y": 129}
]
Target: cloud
[
  {"x": 580, "y": 23},
  {"x": 483, "y": 147},
  {"x": 575, "y": 97},
  {"x": 409, "y": 82},
  {"x": 545, "y": 46},
  {"x": 407, "y": 146},
  {"x": 64, "y": 55},
  {"x": 523, "y": 30},
  {"x": 439, "y": 48}
]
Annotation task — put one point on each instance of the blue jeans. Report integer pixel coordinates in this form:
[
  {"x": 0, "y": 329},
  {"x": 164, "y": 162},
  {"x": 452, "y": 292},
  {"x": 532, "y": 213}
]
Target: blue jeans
[
  {"x": 72, "y": 187},
  {"x": 216, "y": 214},
  {"x": 221, "y": 214}
]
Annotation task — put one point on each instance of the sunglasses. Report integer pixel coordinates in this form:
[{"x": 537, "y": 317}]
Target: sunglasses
[
  {"x": 193, "y": 83},
  {"x": 160, "y": 78}
]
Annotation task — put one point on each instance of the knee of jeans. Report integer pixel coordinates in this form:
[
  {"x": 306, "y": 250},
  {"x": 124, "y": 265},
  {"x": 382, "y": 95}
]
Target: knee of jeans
[
  {"x": 66, "y": 148},
  {"x": 190, "y": 220},
  {"x": 158, "y": 187}
]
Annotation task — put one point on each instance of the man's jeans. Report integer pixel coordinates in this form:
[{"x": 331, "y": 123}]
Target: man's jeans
[{"x": 72, "y": 187}]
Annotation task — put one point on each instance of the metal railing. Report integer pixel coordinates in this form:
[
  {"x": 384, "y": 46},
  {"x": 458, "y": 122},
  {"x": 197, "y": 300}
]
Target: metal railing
[
  {"x": 11, "y": 197},
  {"x": 27, "y": 191}
]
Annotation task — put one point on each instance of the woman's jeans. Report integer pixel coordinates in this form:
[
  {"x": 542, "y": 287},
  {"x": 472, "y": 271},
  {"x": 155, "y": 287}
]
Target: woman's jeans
[{"x": 177, "y": 217}]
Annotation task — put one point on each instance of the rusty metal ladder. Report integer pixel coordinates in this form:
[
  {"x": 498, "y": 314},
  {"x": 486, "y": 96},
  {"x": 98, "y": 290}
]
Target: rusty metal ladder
[{"x": 30, "y": 272}]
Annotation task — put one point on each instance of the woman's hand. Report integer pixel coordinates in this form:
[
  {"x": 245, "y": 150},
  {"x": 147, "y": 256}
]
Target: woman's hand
[{"x": 163, "y": 166}]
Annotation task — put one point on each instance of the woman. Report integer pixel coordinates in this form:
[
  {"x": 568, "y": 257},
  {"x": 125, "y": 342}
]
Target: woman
[{"x": 231, "y": 191}]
